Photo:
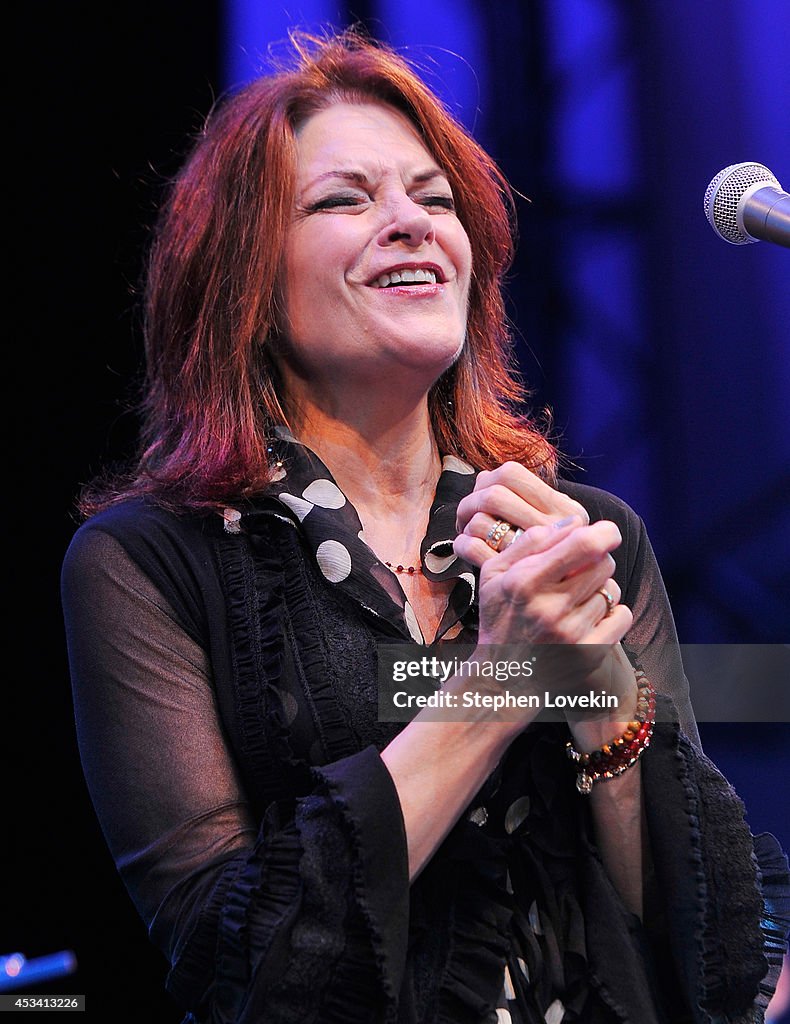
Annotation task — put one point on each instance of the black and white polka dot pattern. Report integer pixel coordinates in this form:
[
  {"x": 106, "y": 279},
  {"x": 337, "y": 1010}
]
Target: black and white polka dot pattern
[{"x": 332, "y": 529}]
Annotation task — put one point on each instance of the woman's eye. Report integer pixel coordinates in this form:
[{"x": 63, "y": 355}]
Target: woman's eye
[
  {"x": 445, "y": 202},
  {"x": 335, "y": 202}
]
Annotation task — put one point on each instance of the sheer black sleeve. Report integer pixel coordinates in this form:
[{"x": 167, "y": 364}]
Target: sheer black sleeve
[
  {"x": 652, "y": 640},
  {"x": 274, "y": 918}
]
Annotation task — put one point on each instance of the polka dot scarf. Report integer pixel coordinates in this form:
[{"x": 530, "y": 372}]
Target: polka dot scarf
[{"x": 333, "y": 531}]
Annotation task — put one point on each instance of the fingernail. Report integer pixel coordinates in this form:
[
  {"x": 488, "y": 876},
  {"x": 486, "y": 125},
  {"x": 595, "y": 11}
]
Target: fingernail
[{"x": 564, "y": 522}]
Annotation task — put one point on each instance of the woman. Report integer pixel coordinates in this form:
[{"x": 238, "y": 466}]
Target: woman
[{"x": 330, "y": 455}]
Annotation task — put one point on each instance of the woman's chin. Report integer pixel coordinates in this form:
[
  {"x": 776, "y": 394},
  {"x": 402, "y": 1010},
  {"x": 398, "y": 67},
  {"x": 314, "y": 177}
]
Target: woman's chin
[{"x": 426, "y": 353}]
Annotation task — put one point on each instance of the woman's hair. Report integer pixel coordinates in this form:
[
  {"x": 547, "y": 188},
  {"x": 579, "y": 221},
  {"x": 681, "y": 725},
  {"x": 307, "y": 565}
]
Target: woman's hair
[{"x": 212, "y": 391}]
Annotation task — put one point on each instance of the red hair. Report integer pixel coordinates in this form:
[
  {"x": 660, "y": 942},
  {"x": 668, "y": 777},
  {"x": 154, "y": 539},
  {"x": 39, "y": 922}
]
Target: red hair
[{"x": 212, "y": 393}]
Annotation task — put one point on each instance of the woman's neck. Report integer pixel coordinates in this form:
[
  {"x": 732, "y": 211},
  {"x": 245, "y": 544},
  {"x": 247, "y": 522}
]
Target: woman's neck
[{"x": 386, "y": 466}]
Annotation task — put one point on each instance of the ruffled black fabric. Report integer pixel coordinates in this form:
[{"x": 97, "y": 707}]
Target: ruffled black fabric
[
  {"x": 275, "y": 543},
  {"x": 475, "y": 871},
  {"x": 311, "y": 948},
  {"x": 190, "y": 980},
  {"x": 300, "y": 912},
  {"x": 356, "y": 785},
  {"x": 569, "y": 926},
  {"x": 254, "y": 593},
  {"x": 257, "y": 912},
  {"x": 549, "y": 957},
  {"x": 718, "y": 926},
  {"x": 733, "y": 960}
]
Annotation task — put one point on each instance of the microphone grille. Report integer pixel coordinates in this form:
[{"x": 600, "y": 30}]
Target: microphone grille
[{"x": 724, "y": 194}]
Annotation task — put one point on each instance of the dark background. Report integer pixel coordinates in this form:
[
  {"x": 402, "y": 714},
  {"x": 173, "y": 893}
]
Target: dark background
[{"x": 663, "y": 351}]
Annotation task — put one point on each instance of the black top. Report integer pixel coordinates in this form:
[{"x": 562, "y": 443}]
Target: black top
[{"x": 225, "y": 692}]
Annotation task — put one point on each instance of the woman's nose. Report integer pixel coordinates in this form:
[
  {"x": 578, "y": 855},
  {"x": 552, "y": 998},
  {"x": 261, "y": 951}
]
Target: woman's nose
[{"x": 408, "y": 222}]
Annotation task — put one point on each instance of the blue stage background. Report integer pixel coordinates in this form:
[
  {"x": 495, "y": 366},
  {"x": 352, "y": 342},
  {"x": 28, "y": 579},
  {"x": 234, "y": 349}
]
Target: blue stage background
[{"x": 663, "y": 351}]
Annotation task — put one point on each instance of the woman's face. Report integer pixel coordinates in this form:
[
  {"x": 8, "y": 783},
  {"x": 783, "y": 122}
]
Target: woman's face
[{"x": 377, "y": 264}]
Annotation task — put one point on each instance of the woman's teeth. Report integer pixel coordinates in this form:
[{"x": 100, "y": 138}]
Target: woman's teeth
[{"x": 405, "y": 277}]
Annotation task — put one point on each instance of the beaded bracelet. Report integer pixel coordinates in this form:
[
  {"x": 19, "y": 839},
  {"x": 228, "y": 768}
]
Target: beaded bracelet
[{"x": 617, "y": 756}]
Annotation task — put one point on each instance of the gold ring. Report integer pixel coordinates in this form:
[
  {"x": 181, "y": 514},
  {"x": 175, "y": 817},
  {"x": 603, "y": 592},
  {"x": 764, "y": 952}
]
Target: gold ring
[
  {"x": 497, "y": 533},
  {"x": 610, "y": 602}
]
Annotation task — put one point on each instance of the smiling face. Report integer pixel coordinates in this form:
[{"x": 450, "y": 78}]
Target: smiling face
[{"x": 377, "y": 265}]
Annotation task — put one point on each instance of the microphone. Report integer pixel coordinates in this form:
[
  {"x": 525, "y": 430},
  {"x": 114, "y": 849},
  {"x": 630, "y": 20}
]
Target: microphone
[{"x": 745, "y": 203}]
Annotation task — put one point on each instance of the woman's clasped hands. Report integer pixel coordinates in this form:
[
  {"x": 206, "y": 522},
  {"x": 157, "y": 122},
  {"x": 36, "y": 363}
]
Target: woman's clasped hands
[{"x": 546, "y": 584}]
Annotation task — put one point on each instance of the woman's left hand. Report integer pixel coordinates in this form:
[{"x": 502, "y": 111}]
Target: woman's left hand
[{"x": 513, "y": 494}]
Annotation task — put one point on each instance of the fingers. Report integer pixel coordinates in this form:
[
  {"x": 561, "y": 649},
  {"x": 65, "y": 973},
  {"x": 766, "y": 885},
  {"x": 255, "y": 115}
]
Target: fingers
[
  {"x": 532, "y": 490},
  {"x": 574, "y": 548},
  {"x": 562, "y": 580},
  {"x": 609, "y": 595},
  {"x": 569, "y": 549},
  {"x": 490, "y": 529},
  {"x": 473, "y": 548},
  {"x": 551, "y": 585},
  {"x": 498, "y": 534},
  {"x": 590, "y": 585},
  {"x": 513, "y": 493},
  {"x": 592, "y": 609},
  {"x": 611, "y": 629}
]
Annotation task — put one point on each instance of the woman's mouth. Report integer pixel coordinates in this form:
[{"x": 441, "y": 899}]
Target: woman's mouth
[{"x": 406, "y": 276}]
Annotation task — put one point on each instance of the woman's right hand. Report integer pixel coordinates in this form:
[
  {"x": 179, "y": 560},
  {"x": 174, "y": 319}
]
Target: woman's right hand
[
  {"x": 516, "y": 494},
  {"x": 544, "y": 588}
]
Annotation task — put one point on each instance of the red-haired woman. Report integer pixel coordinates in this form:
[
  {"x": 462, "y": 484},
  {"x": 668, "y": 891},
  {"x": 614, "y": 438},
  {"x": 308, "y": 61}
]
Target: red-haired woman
[{"x": 331, "y": 460}]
